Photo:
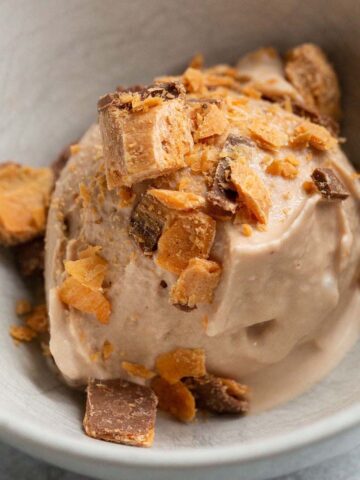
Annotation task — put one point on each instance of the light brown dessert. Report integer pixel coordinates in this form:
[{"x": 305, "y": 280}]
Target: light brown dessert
[{"x": 203, "y": 242}]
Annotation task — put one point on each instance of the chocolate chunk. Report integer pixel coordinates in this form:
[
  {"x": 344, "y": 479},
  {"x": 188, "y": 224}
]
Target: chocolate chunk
[
  {"x": 218, "y": 395},
  {"x": 106, "y": 100},
  {"x": 121, "y": 412},
  {"x": 147, "y": 222},
  {"x": 30, "y": 257},
  {"x": 222, "y": 195},
  {"x": 329, "y": 185}
]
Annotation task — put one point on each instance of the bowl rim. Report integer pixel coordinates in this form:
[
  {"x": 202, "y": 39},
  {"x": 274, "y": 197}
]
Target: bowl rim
[{"x": 19, "y": 432}]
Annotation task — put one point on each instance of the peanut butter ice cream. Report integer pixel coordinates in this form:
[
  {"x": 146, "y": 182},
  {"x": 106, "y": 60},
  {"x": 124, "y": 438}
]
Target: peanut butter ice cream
[{"x": 213, "y": 211}]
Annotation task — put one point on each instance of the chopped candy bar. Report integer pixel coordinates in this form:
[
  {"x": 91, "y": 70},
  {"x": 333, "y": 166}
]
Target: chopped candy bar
[
  {"x": 251, "y": 190},
  {"x": 147, "y": 221},
  {"x": 186, "y": 237},
  {"x": 308, "y": 133},
  {"x": 267, "y": 136},
  {"x": 89, "y": 271},
  {"x": 121, "y": 412},
  {"x": 183, "y": 362},
  {"x": 209, "y": 121},
  {"x": 219, "y": 395},
  {"x": 285, "y": 167},
  {"x": 196, "y": 283},
  {"x": 85, "y": 299},
  {"x": 144, "y": 143},
  {"x": 174, "y": 398},
  {"x": 329, "y": 185},
  {"x": 223, "y": 194},
  {"x": 194, "y": 81},
  {"x": 308, "y": 69},
  {"x": 24, "y": 200}
]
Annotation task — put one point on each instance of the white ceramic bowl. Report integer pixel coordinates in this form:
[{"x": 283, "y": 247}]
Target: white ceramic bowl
[{"x": 56, "y": 59}]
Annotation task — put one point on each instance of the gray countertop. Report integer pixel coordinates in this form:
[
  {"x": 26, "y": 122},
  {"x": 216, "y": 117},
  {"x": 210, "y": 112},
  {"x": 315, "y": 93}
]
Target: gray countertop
[{"x": 18, "y": 466}]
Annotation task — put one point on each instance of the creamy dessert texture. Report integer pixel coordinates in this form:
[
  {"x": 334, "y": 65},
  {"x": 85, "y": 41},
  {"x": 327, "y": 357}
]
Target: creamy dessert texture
[
  {"x": 202, "y": 244},
  {"x": 277, "y": 260}
]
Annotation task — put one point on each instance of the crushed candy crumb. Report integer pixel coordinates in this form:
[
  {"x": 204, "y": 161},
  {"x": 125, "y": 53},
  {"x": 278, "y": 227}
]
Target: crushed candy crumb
[
  {"x": 22, "y": 333},
  {"x": 286, "y": 167}
]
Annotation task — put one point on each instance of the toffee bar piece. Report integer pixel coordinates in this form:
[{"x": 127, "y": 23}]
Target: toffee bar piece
[
  {"x": 310, "y": 72},
  {"x": 121, "y": 412},
  {"x": 145, "y": 133},
  {"x": 24, "y": 199},
  {"x": 196, "y": 284},
  {"x": 329, "y": 184},
  {"x": 223, "y": 195},
  {"x": 147, "y": 221},
  {"x": 219, "y": 395},
  {"x": 236, "y": 184}
]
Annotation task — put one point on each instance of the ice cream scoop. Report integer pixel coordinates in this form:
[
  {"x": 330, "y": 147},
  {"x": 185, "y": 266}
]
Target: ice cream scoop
[{"x": 233, "y": 248}]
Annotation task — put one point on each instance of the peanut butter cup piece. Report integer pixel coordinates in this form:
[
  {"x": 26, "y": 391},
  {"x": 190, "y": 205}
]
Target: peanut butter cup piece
[
  {"x": 218, "y": 395},
  {"x": 145, "y": 133},
  {"x": 121, "y": 412},
  {"x": 329, "y": 185},
  {"x": 310, "y": 72},
  {"x": 147, "y": 221}
]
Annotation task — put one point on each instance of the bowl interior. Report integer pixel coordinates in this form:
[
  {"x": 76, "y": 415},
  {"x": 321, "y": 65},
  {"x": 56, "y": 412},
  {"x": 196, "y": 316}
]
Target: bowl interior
[{"x": 57, "y": 59}]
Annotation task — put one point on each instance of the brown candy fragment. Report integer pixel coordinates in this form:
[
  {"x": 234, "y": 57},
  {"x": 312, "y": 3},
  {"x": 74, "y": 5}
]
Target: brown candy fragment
[
  {"x": 146, "y": 223},
  {"x": 310, "y": 72},
  {"x": 145, "y": 134},
  {"x": 223, "y": 195},
  {"x": 121, "y": 412},
  {"x": 218, "y": 395},
  {"x": 329, "y": 185}
]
